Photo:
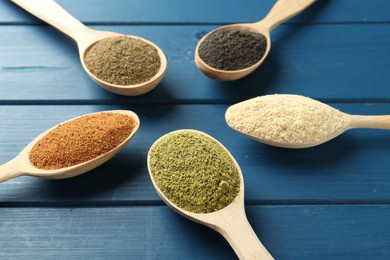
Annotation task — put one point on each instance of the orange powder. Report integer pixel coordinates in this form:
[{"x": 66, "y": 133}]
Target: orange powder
[{"x": 81, "y": 140}]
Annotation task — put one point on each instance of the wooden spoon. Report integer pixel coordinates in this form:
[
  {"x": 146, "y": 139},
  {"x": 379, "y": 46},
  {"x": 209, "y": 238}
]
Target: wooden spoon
[
  {"x": 345, "y": 122},
  {"x": 21, "y": 164},
  {"x": 281, "y": 11},
  {"x": 50, "y": 12},
  {"x": 354, "y": 121},
  {"x": 230, "y": 222}
]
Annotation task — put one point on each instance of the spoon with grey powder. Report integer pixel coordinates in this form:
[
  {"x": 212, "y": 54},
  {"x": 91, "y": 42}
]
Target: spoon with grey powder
[
  {"x": 198, "y": 178},
  {"x": 122, "y": 64},
  {"x": 294, "y": 121},
  {"x": 234, "y": 51}
]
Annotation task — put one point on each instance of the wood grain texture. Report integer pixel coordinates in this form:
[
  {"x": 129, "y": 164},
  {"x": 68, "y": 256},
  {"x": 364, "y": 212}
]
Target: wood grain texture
[
  {"x": 352, "y": 168},
  {"x": 323, "y": 62},
  {"x": 326, "y": 202},
  {"x": 289, "y": 232},
  {"x": 203, "y": 11}
]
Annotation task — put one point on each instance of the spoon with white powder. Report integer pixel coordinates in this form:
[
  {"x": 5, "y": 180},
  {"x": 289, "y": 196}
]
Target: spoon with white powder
[{"x": 294, "y": 121}]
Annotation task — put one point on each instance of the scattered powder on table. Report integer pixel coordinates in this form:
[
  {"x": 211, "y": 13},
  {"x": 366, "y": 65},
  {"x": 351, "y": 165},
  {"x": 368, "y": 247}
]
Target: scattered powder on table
[
  {"x": 232, "y": 49},
  {"x": 194, "y": 172},
  {"x": 122, "y": 60},
  {"x": 286, "y": 118},
  {"x": 81, "y": 140}
]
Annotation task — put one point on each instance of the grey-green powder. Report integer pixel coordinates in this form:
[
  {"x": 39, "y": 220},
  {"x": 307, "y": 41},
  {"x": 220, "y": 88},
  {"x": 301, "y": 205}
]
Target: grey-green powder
[
  {"x": 194, "y": 172},
  {"x": 122, "y": 60}
]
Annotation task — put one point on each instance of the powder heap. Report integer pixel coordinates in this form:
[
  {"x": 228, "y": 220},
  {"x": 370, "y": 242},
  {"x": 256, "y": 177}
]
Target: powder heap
[
  {"x": 290, "y": 119},
  {"x": 232, "y": 49},
  {"x": 194, "y": 172},
  {"x": 81, "y": 140},
  {"x": 122, "y": 60}
]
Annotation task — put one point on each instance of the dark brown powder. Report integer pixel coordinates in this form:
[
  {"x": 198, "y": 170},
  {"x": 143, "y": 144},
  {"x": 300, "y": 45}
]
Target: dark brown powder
[
  {"x": 123, "y": 60},
  {"x": 232, "y": 49},
  {"x": 81, "y": 140}
]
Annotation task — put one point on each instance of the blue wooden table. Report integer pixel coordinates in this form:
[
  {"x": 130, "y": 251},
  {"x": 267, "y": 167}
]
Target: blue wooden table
[{"x": 327, "y": 202}]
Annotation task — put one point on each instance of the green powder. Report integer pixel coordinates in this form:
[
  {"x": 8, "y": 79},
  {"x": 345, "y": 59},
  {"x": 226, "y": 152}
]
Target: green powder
[
  {"x": 122, "y": 60},
  {"x": 194, "y": 172}
]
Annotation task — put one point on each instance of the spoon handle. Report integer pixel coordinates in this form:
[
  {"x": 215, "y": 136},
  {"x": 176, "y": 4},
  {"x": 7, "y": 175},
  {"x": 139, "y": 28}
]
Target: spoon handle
[
  {"x": 379, "y": 122},
  {"x": 282, "y": 11},
  {"x": 241, "y": 237},
  {"x": 53, "y": 14},
  {"x": 8, "y": 171}
]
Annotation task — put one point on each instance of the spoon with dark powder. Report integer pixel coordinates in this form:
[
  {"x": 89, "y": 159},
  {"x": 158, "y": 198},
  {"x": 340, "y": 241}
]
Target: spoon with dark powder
[{"x": 234, "y": 51}]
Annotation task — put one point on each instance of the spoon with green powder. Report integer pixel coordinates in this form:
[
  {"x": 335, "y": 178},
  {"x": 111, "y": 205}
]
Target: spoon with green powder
[
  {"x": 233, "y": 51},
  {"x": 122, "y": 64},
  {"x": 294, "y": 121},
  {"x": 74, "y": 147},
  {"x": 198, "y": 178}
]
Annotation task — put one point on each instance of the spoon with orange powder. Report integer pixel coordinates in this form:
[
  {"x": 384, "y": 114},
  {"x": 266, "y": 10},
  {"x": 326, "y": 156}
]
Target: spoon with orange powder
[{"x": 74, "y": 147}]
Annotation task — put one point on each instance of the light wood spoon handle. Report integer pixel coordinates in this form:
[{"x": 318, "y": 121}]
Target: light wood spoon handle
[
  {"x": 282, "y": 11},
  {"x": 238, "y": 232},
  {"x": 9, "y": 171},
  {"x": 379, "y": 122},
  {"x": 53, "y": 14}
]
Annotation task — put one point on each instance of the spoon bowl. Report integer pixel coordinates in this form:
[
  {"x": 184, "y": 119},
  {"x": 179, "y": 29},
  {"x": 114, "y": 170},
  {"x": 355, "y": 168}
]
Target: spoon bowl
[
  {"x": 244, "y": 118},
  {"x": 50, "y": 12},
  {"x": 21, "y": 164},
  {"x": 280, "y": 12},
  {"x": 230, "y": 221},
  {"x": 229, "y": 75}
]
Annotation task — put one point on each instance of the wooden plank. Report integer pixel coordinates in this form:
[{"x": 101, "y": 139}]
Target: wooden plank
[
  {"x": 324, "y": 61},
  {"x": 289, "y": 232},
  {"x": 203, "y": 11},
  {"x": 327, "y": 202},
  {"x": 352, "y": 168}
]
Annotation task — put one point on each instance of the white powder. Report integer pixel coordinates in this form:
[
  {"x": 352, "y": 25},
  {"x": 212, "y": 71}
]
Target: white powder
[{"x": 290, "y": 119}]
